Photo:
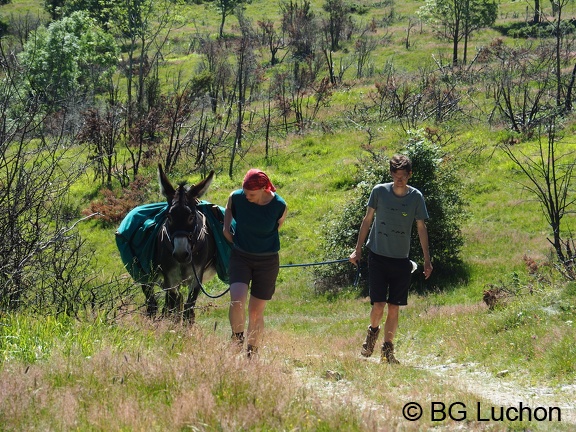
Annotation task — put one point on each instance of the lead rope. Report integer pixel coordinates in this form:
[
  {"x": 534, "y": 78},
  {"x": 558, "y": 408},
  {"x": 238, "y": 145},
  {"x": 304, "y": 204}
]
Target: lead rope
[{"x": 356, "y": 278}]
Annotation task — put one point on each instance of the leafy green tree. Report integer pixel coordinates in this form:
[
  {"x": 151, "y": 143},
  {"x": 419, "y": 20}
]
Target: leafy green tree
[
  {"x": 458, "y": 19},
  {"x": 435, "y": 176},
  {"x": 54, "y": 8},
  {"x": 103, "y": 11},
  {"x": 71, "y": 57}
]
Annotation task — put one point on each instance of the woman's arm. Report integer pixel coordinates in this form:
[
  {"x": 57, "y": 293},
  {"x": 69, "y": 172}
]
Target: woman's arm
[
  {"x": 228, "y": 221},
  {"x": 283, "y": 217}
]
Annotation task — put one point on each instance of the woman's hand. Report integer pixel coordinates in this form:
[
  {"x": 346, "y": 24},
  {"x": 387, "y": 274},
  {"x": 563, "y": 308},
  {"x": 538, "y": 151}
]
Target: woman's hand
[{"x": 228, "y": 235}]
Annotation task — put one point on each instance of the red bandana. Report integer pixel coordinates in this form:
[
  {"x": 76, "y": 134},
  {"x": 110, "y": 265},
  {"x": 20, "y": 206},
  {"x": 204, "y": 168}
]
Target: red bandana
[{"x": 256, "y": 179}]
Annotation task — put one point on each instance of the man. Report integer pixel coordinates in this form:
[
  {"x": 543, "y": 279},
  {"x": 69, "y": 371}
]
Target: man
[{"x": 391, "y": 211}]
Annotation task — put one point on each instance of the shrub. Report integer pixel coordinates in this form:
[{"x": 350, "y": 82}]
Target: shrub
[{"x": 111, "y": 208}]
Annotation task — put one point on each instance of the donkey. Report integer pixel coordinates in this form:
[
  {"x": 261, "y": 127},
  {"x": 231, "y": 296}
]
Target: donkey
[{"x": 185, "y": 248}]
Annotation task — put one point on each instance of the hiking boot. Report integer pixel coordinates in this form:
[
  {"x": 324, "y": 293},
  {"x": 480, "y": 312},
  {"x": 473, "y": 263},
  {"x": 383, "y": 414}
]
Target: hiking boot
[
  {"x": 252, "y": 351},
  {"x": 368, "y": 345},
  {"x": 388, "y": 353}
]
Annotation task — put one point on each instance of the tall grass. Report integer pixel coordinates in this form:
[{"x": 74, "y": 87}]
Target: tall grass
[
  {"x": 157, "y": 375},
  {"x": 138, "y": 374}
]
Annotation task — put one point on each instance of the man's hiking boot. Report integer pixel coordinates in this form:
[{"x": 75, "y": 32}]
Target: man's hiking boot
[
  {"x": 388, "y": 353},
  {"x": 370, "y": 342}
]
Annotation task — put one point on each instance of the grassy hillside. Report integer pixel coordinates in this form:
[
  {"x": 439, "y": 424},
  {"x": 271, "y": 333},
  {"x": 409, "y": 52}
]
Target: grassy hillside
[
  {"x": 139, "y": 374},
  {"x": 136, "y": 374}
]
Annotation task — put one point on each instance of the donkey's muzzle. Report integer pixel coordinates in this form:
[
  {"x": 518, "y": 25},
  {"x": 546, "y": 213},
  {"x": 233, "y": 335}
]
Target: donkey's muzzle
[{"x": 181, "y": 250}]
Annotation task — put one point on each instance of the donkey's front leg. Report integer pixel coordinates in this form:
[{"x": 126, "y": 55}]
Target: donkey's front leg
[
  {"x": 174, "y": 300},
  {"x": 151, "y": 303},
  {"x": 173, "y": 304},
  {"x": 189, "y": 313}
]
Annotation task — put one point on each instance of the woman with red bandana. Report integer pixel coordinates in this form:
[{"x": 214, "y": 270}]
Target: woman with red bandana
[{"x": 254, "y": 262}]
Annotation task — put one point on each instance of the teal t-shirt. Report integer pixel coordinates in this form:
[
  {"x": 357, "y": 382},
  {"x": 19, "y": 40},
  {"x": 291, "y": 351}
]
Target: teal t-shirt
[
  {"x": 395, "y": 216},
  {"x": 256, "y": 229}
]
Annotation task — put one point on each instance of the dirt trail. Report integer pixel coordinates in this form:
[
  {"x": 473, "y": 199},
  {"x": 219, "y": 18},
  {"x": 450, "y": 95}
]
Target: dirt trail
[{"x": 499, "y": 391}]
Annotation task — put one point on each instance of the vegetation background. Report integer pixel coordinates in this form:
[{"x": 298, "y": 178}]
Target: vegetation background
[{"x": 77, "y": 353}]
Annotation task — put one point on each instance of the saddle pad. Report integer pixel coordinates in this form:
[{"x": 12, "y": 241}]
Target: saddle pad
[
  {"x": 215, "y": 216},
  {"x": 136, "y": 238},
  {"x": 137, "y": 233}
]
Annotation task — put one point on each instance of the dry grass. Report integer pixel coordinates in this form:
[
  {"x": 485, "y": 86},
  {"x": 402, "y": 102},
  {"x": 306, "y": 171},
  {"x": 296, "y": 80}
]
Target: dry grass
[
  {"x": 140, "y": 375},
  {"x": 157, "y": 375}
]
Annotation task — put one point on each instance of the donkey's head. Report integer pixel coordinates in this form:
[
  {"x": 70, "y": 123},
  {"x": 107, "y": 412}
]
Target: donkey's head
[{"x": 184, "y": 225}]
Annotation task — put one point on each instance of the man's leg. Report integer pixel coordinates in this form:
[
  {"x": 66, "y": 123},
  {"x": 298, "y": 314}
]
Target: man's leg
[
  {"x": 376, "y": 315},
  {"x": 391, "y": 324},
  {"x": 390, "y": 327}
]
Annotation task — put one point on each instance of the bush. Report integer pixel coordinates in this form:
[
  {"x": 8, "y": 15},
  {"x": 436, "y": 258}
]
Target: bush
[
  {"x": 434, "y": 174},
  {"x": 111, "y": 208}
]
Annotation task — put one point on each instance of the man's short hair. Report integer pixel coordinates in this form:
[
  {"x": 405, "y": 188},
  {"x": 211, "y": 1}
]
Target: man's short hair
[{"x": 400, "y": 162}]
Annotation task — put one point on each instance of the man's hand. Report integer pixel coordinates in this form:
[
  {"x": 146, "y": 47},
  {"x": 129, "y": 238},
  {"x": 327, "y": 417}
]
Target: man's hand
[
  {"x": 427, "y": 269},
  {"x": 355, "y": 257}
]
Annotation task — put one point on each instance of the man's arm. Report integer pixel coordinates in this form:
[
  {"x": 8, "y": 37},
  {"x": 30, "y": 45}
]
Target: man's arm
[
  {"x": 423, "y": 236},
  {"x": 362, "y": 234}
]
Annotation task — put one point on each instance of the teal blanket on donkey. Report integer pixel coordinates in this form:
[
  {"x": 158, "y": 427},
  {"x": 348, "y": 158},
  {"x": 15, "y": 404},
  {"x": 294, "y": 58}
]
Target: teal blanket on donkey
[{"x": 137, "y": 233}]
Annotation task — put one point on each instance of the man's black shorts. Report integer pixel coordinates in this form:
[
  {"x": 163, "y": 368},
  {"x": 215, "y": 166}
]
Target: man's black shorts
[{"x": 389, "y": 279}]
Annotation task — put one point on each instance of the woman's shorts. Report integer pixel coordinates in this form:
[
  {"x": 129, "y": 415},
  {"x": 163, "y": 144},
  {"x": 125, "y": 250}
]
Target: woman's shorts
[
  {"x": 389, "y": 279},
  {"x": 261, "y": 270}
]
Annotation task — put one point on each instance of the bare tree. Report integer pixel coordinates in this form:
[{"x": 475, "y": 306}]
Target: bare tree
[
  {"x": 145, "y": 26},
  {"x": 363, "y": 49},
  {"x": 226, "y": 8},
  {"x": 522, "y": 84},
  {"x": 271, "y": 39},
  {"x": 561, "y": 34},
  {"x": 245, "y": 75},
  {"x": 44, "y": 263},
  {"x": 412, "y": 22},
  {"x": 36, "y": 171},
  {"x": 177, "y": 115},
  {"x": 299, "y": 23},
  {"x": 21, "y": 26},
  {"x": 549, "y": 172},
  {"x": 101, "y": 131},
  {"x": 215, "y": 62},
  {"x": 334, "y": 26}
]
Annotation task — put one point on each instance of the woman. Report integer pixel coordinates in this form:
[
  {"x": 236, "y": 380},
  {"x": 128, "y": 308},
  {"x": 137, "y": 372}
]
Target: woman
[{"x": 254, "y": 262}]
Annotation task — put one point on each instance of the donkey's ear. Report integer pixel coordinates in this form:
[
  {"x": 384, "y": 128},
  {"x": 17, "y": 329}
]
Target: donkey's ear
[
  {"x": 166, "y": 187},
  {"x": 197, "y": 190}
]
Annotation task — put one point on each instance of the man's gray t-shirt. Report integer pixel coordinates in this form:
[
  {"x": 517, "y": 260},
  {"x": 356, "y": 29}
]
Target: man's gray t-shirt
[{"x": 395, "y": 216}]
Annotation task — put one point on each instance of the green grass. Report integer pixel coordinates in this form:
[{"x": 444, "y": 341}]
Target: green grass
[{"x": 138, "y": 374}]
